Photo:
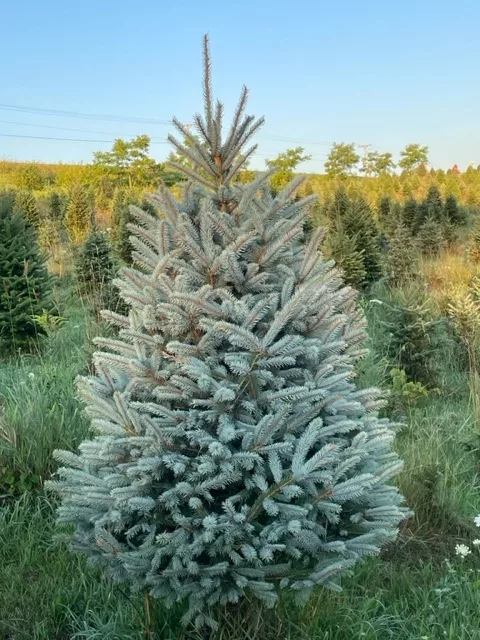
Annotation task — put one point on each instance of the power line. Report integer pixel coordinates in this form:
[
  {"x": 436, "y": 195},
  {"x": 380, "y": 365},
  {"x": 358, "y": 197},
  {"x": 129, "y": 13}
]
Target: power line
[
  {"x": 131, "y": 119},
  {"x": 13, "y": 135},
  {"x": 51, "y": 126},
  {"x": 78, "y": 114}
]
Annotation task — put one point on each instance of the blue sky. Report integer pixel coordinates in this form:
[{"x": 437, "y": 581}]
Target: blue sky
[{"x": 379, "y": 73}]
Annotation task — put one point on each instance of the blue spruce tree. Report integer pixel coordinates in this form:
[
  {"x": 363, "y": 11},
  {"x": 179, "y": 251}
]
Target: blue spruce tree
[{"x": 234, "y": 456}]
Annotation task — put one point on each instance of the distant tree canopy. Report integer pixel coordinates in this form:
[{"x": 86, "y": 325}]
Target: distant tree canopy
[
  {"x": 129, "y": 163},
  {"x": 375, "y": 164},
  {"x": 286, "y": 163},
  {"x": 413, "y": 156},
  {"x": 341, "y": 160}
]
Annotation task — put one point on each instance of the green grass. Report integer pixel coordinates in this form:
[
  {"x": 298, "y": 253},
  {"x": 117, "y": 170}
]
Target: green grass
[{"x": 418, "y": 590}]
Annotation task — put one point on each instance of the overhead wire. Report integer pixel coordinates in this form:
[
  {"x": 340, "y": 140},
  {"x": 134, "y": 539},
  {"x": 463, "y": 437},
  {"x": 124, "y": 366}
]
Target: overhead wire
[{"x": 130, "y": 119}]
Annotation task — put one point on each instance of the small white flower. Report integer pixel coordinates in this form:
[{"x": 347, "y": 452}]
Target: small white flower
[
  {"x": 31, "y": 375},
  {"x": 462, "y": 550},
  {"x": 477, "y": 520},
  {"x": 343, "y": 533},
  {"x": 476, "y": 542}
]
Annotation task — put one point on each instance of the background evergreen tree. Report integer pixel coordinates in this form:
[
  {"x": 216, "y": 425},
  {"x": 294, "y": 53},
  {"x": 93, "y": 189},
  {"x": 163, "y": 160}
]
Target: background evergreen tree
[
  {"x": 94, "y": 265},
  {"x": 339, "y": 206},
  {"x": 383, "y": 210},
  {"x": 354, "y": 217},
  {"x": 410, "y": 214},
  {"x": 359, "y": 223},
  {"x": 26, "y": 205},
  {"x": 416, "y": 336},
  {"x": 25, "y": 286},
  {"x": 433, "y": 204},
  {"x": 78, "y": 214},
  {"x": 55, "y": 207},
  {"x": 402, "y": 264},
  {"x": 473, "y": 244},
  {"x": 454, "y": 214},
  {"x": 95, "y": 270},
  {"x": 421, "y": 217},
  {"x": 394, "y": 219},
  {"x": 431, "y": 237},
  {"x": 234, "y": 455},
  {"x": 342, "y": 248}
]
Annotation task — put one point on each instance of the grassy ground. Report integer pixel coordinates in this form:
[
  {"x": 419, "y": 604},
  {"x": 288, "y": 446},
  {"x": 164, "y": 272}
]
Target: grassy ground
[{"x": 418, "y": 590}]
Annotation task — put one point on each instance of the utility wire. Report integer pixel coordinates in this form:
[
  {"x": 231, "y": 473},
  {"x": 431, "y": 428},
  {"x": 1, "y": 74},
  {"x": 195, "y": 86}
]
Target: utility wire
[
  {"x": 131, "y": 119},
  {"x": 18, "y": 135},
  {"x": 51, "y": 126},
  {"x": 78, "y": 114},
  {"x": 14, "y": 135}
]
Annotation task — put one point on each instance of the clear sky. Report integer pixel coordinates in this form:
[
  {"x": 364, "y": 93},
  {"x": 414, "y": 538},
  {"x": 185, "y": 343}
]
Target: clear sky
[{"x": 381, "y": 73}]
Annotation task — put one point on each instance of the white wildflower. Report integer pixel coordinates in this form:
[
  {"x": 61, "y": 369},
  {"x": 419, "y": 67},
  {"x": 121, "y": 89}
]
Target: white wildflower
[
  {"x": 477, "y": 520},
  {"x": 476, "y": 542},
  {"x": 31, "y": 375},
  {"x": 462, "y": 550}
]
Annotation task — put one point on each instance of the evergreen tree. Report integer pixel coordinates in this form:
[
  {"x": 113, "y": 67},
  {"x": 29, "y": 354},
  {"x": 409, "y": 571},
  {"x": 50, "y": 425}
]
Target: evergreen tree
[
  {"x": 339, "y": 206},
  {"x": 454, "y": 214},
  {"x": 343, "y": 249},
  {"x": 79, "y": 214},
  {"x": 473, "y": 244},
  {"x": 421, "y": 217},
  {"x": 56, "y": 207},
  {"x": 415, "y": 335},
  {"x": 94, "y": 265},
  {"x": 395, "y": 219},
  {"x": 354, "y": 217},
  {"x": 234, "y": 455},
  {"x": 433, "y": 204},
  {"x": 402, "y": 257},
  {"x": 96, "y": 269},
  {"x": 360, "y": 224},
  {"x": 410, "y": 214},
  {"x": 431, "y": 237},
  {"x": 25, "y": 286},
  {"x": 26, "y": 205},
  {"x": 383, "y": 210}
]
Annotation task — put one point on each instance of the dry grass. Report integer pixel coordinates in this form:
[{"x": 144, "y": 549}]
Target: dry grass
[{"x": 448, "y": 276}]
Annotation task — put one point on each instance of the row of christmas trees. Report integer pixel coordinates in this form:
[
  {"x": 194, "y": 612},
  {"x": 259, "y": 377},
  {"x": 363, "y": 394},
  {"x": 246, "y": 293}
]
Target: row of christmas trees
[{"x": 369, "y": 244}]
